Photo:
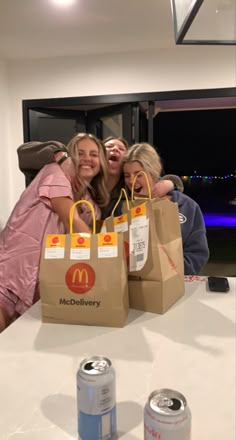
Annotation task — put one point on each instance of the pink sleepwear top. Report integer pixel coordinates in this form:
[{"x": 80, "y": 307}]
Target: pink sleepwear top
[{"x": 22, "y": 238}]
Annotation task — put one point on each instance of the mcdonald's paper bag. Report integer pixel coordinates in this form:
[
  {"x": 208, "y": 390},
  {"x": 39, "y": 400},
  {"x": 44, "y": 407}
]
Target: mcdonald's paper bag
[
  {"x": 83, "y": 279},
  {"x": 156, "y": 265}
]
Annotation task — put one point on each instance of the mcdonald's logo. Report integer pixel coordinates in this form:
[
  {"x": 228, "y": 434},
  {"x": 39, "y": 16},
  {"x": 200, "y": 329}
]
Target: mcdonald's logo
[
  {"x": 107, "y": 238},
  {"x": 80, "y": 240},
  {"x": 80, "y": 278}
]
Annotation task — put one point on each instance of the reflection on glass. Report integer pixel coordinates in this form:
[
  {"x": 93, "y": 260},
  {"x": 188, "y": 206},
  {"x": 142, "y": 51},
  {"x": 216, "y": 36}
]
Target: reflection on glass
[
  {"x": 204, "y": 21},
  {"x": 182, "y": 11},
  {"x": 112, "y": 126},
  {"x": 215, "y": 21}
]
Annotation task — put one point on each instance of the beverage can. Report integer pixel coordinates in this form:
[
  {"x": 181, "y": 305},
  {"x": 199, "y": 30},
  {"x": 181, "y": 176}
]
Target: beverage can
[
  {"x": 96, "y": 399},
  {"x": 167, "y": 416}
]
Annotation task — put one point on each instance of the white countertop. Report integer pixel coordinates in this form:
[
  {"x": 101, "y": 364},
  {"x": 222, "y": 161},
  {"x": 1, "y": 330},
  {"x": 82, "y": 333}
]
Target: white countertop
[{"x": 191, "y": 348}]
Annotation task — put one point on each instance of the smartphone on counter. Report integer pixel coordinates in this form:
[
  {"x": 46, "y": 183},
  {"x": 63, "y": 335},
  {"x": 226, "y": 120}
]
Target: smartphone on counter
[{"x": 218, "y": 284}]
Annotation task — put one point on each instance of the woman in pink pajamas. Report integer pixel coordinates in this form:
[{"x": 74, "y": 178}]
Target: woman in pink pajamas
[{"x": 43, "y": 208}]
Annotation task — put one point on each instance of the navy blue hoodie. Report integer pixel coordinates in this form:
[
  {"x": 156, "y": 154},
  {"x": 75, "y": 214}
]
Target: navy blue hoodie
[{"x": 195, "y": 246}]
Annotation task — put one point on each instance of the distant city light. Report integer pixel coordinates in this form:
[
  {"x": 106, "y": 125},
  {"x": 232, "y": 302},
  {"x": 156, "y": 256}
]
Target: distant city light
[{"x": 209, "y": 177}]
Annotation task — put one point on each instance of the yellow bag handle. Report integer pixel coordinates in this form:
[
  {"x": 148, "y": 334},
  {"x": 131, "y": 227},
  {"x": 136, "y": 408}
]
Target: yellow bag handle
[
  {"x": 148, "y": 185},
  {"x": 122, "y": 191},
  {"x": 72, "y": 209}
]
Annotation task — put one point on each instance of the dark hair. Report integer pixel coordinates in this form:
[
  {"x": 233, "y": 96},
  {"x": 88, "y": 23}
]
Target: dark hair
[{"x": 111, "y": 138}]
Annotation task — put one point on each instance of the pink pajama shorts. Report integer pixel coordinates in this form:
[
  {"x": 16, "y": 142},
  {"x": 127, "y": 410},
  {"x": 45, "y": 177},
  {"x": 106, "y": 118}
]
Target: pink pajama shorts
[
  {"x": 8, "y": 301},
  {"x": 13, "y": 305}
]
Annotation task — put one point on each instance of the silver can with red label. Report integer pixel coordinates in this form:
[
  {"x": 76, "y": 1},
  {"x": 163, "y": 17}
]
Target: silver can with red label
[{"x": 167, "y": 416}]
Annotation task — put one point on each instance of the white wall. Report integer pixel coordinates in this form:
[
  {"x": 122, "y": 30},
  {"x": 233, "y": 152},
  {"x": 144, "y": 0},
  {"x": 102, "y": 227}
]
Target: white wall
[
  {"x": 5, "y": 147},
  {"x": 181, "y": 68}
]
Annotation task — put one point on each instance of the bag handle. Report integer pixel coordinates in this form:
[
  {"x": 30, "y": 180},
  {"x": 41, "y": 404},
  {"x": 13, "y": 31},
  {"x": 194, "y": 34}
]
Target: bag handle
[
  {"x": 72, "y": 209},
  {"x": 122, "y": 191},
  {"x": 148, "y": 185}
]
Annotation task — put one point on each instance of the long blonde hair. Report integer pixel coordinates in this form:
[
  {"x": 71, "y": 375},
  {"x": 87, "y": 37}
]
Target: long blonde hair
[
  {"x": 147, "y": 156},
  {"x": 98, "y": 185}
]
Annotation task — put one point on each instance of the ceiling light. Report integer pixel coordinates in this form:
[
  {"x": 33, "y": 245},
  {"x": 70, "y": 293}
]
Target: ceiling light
[{"x": 63, "y": 2}]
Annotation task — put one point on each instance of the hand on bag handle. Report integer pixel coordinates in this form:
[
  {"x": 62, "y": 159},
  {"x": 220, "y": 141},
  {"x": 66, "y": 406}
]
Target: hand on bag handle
[
  {"x": 148, "y": 185},
  {"x": 72, "y": 209},
  {"x": 122, "y": 191}
]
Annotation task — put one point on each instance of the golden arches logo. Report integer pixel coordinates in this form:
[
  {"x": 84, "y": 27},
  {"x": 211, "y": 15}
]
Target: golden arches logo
[
  {"x": 80, "y": 275},
  {"x": 80, "y": 278}
]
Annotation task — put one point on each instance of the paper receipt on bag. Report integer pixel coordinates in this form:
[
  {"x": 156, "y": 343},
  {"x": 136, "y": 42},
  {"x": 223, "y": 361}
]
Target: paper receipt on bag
[
  {"x": 55, "y": 246},
  {"x": 138, "y": 244},
  {"x": 80, "y": 246},
  {"x": 107, "y": 245},
  {"x": 121, "y": 223}
]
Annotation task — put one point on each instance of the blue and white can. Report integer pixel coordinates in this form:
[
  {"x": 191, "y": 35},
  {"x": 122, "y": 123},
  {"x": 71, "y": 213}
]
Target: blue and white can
[{"x": 96, "y": 399}]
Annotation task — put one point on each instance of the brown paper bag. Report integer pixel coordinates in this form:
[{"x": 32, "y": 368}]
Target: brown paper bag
[
  {"x": 83, "y": 278},
  {"x": 160, "y": 282}
]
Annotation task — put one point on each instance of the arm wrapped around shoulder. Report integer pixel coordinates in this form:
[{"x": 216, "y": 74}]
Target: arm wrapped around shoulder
[
  {"x": 177, "y": 181},
  {"x": 32, "y": 156}
]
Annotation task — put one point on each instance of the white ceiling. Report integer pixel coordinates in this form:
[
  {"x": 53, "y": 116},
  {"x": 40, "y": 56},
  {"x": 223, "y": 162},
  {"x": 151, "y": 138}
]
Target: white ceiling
[
  {"x": 33, "y": 29},
  {"x": 39, "y": 28}
]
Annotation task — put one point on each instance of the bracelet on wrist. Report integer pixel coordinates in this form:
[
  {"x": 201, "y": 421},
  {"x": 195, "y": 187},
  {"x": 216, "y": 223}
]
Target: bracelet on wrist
[{"x": 63, "y": 158}]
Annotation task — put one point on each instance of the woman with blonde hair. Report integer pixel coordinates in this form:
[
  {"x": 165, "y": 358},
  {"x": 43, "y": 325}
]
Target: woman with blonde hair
[
  {"x": 143, "y": 157},
  {"x": 44, "y": 208},
  {"x": 98, "y": 183},
  {"x": 91, "y": 186}
]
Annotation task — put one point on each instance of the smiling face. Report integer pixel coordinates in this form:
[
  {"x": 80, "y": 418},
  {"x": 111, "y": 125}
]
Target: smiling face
[
  {"x": 89, "y": 162},
  {"x": 131, "y": 169},
  {"x": 115, "y": 150}
]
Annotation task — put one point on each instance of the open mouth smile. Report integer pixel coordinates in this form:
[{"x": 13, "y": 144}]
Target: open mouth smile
[
  {"x": 113, "y": 158},
  {"x": 138, "y": 189}
]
